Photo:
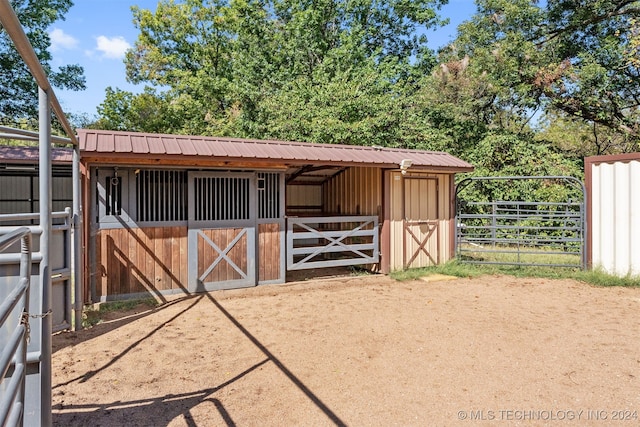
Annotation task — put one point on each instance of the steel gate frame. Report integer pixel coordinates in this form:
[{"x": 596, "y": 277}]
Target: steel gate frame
[
  {"x": 530, "y": 212},
  {"x": 14, "y": 354}
]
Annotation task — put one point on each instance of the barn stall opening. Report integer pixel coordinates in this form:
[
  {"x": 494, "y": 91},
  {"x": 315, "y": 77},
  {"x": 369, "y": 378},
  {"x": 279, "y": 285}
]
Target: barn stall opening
[{"x": 170, "y": 214}]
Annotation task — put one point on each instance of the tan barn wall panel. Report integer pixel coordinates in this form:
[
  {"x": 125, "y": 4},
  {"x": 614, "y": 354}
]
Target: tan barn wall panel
[
  {"x": 139, "y": 260},
  {"x": 615, "y": 216},
  {"x": 303, "y": 199},
  {"x": 355, "y": 191},
  {"x": 415, "y": 196}
]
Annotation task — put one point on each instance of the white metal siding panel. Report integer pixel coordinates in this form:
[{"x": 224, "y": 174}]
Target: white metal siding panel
[
  {"x": 616, "y": 217},
  {"x": 634, "y": 218}
]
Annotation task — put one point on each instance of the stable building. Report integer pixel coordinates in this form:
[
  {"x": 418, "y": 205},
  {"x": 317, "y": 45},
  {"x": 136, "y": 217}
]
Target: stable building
[{"x": 171, "y": 214}]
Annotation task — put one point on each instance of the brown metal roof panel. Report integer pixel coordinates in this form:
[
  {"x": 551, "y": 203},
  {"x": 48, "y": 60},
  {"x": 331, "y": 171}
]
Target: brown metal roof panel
[
  {"x": 370, "y": 156},
  {"x": 139, "y": 144},
  {"x": 172, "y": 145},
  {"x": 288, "y": 153},
  {"x": 89, "y": 141},
  {"x": 204, "y": 147},
  {"x": 330, "y": 153},
  {"x": 122, "y": 144},
  {"x": 298, "y": 152},
  {"x": 187, "y": 146},
  {"x": 218, "y": 148},
  {"x": 261, "y": 150},
  {"x": 231, "y": 149},
  {"x": 31, "y": 154},
  {"x": 155, "y": 145},
  {"x": 105, "y": 143}
]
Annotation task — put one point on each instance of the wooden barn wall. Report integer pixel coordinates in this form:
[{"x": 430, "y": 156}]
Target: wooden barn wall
[
  {"x": 151, "y": 259},
  {"x": 304, "y": 200},
  {"x": 355, "y": 191},
  {"x": 422, "y": 203},
  {"x": 269, "y": 252},
  {"x": 140, "y": 260}
]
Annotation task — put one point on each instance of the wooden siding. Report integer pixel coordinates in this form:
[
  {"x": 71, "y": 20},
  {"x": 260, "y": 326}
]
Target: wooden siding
[
  {"x": 137, "y": 260},
  {"x": 269, "y": 252},
  {"x": 416, "y": 209},
  {"x": 356, "y": 191},
  {"x": 207, "y": 255}
]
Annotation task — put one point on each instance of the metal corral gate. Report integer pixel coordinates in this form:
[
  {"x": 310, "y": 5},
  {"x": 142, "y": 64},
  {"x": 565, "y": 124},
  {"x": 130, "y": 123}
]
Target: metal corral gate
[
  {"x": 62, "y": 298},
  {"x": 525, "y": 233},
  {"x": 14, "y": 330}
]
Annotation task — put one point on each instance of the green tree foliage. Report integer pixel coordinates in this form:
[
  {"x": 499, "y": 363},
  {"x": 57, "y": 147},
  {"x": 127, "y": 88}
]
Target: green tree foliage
[
  {"x": 18, "y": 89},
  {"x": 579, "y": 138},
  {"x": 574, "y": 56},
  {"x": 324, "y": 71}
]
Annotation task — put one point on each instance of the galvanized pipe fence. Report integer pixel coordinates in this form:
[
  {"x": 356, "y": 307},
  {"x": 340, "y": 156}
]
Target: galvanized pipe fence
[
  {"x": 65, "y": 289},
  {"x": 14, "y": 330},
  {"x": 521, "y": 232}
]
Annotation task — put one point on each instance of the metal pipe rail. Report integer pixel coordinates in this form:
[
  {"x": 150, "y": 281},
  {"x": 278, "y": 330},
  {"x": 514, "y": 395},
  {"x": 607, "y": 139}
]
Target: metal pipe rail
[
  {"x": 65, "y": 276},
  {"x": 522, "y": 232},
  {"x": 14, "y": 350}
]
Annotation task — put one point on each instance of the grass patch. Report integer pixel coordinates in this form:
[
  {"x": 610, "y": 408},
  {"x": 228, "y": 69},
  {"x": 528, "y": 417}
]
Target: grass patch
[
  {"x": 460, "y": 269},
  {"x": 92, "y": 316}
]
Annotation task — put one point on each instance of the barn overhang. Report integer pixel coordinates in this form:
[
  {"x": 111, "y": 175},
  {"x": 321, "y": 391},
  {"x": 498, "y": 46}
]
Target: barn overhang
[{"x": 302, "y": 161}]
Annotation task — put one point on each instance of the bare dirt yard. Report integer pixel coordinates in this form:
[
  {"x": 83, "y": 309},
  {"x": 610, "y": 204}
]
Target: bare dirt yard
[{"x": 361, "y": 351}]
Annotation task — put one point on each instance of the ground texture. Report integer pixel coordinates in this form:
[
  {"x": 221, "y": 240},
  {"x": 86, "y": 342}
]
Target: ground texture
[{"x": 361, "y": 351}]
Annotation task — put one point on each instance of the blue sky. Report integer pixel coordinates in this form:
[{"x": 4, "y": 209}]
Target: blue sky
[{"x": 96, "y": 33}]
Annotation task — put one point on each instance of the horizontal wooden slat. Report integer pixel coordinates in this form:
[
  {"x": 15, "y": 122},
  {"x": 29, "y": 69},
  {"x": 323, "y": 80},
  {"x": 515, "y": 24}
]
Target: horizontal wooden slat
[{"x": 305, "y": 250}]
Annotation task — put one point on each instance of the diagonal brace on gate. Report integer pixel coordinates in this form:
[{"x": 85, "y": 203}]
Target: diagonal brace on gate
[
  {"x": 432, "y": 227},
  {"x": 222, "y": 254},
  {"x": 334, "y": 242}
]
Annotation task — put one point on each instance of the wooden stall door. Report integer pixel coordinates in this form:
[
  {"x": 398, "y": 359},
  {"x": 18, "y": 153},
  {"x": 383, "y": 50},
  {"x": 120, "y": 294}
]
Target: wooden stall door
[
  {"x": 421, "y": 239},
  {"x": 222, "y": 231}
]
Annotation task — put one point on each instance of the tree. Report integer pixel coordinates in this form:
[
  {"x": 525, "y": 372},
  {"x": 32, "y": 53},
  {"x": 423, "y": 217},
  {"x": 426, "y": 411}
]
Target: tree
[
  {"x": 235, "y": 67},
  {"x": 18, "y": 89},
  {"x": 573, "y": 56},
  {"x": 145, "y": 112},
  {"x": 578, "y": 138}
]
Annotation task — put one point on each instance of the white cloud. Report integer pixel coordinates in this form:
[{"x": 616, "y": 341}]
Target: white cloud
[
  {"x": 60, "y": 40},
  {"x": 113, "y": 48}
]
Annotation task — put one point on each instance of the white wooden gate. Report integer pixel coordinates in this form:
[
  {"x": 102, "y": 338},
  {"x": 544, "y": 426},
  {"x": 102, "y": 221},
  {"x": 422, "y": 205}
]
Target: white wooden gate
[{"x": 332, "y": 241}]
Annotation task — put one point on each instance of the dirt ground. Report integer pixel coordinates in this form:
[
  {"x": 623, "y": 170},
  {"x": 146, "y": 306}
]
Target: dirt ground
[{"x": 362, "y": 351}]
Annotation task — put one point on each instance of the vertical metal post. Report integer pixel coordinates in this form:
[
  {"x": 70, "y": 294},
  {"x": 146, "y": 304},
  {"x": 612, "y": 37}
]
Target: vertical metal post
[
  {"x": 77, "y": 243},
  {"x": 494, "y": 223},
  {"x": 25, "y": 272},
  {"x": 45, "y": 271}
]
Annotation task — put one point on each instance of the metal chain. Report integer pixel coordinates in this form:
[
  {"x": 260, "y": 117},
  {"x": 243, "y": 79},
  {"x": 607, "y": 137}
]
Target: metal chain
[{"x": 24, "y": 320}]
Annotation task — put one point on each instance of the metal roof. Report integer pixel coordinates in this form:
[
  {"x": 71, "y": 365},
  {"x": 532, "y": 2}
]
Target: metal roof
[
  {"x": 30, "y": 155},
  {"x": 131, "y": 145}
]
